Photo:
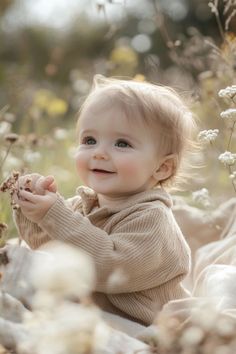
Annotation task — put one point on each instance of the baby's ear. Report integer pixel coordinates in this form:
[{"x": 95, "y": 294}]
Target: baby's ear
[{"x": 166, "y": 169}]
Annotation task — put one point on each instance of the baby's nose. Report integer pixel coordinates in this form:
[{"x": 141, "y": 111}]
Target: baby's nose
[{"x": 100, "y": 154}]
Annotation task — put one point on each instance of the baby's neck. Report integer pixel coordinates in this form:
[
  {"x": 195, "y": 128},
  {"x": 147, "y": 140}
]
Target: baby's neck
[{"x": 112, "y": 201}]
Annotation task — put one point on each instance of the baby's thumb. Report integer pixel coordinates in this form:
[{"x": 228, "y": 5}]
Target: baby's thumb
[{"x": 49, "y": 184}]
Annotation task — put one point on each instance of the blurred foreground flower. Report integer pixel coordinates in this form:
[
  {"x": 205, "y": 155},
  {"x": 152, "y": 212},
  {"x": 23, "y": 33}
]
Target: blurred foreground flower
[
  {"x": 227, "y": 158},
  {"x": 64, "y": 319},
  {"x": 229, "y": 114},
  {"x": 202, "y": 197},
  {"x": 228, "y": 92},
  {"x": 68, "y": 272},
  {"x": 208, "y": 135},
  {"x": 72, "y": 328}
]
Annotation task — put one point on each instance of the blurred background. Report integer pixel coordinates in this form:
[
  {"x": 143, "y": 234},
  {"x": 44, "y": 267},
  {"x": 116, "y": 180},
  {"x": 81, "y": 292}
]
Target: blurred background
[{"x": 51, "y": 49}]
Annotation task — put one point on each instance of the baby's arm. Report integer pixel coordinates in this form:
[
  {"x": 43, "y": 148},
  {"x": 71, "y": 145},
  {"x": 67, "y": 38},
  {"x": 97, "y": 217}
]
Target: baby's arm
[{"x": 143, "y": 246}]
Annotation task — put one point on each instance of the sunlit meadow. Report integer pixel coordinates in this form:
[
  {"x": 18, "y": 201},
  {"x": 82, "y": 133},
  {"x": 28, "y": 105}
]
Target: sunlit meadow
[{"x": 42, "y": 138}]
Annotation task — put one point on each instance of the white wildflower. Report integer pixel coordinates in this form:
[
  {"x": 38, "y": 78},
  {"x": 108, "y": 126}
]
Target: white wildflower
[
  {"x": 208, "y": 135},
  {"x": 225, "y": 327},
  {"x": 5, "y": 128},
  {"x": 31, "y": 156},
  {"x": 68, "y": 272},
  {"x": 205, "y": 315},
  {"x": 192, "y": 336},
  {"x": 72, "y": 328},
  {"x": 233, "y": 175},
  {"x": 60, "y": 134},
  {"x": 227, "y": 158},
  {"x": 12, "y": 162},
  {"x": 229, "y": 114},
  {"x": 81, "y": 86},
  {"x": 228, "y": 92},
  {"x": 202, "y": 197}
]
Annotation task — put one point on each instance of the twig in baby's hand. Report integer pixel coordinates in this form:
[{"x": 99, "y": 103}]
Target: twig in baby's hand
[
  {"x": 3, "y": 229},
  {"x": 4, "y": 260},
  {"x": 10, "y": 185}
]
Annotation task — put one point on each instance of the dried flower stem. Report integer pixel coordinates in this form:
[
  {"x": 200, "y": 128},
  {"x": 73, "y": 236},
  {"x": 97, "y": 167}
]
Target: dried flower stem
[
  {"x": 231, "y": 135},
  {"x": 4, "y": 110},
  {"x": 163, "y": 30},
  {"x": 233, "y": 183},
  {"x": 4, "y": 159}
]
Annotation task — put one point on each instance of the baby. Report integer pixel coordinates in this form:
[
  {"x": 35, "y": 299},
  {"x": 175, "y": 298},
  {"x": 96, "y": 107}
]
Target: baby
[{"x": 132, "y": 138}]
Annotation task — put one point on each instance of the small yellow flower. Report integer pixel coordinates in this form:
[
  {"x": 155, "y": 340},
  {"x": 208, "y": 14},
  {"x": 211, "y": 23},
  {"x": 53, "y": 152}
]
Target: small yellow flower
[
  {"x": 56, "y": 107},
  {"x": 139, "y": 78},
  {"x": 42, "y": 98},
  {"x": 124, "y": 55}
]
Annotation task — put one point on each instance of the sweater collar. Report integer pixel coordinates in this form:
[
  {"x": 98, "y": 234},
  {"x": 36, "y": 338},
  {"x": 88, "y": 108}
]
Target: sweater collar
[{"x": 90, "y": 200}]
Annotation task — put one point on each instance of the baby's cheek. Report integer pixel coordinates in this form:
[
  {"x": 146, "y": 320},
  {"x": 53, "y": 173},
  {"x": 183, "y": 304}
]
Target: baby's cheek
[
  {"x": 81, "y": 163},
  {"x": 128, "y": 167}
]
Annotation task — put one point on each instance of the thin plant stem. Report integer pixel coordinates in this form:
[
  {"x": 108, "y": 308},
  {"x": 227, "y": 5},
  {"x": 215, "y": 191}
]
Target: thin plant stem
[
  {"x": 4, "y": 110},
  {"x": 231, "y": 135},
  {"x": 232, "y": 181},
  {"x": 4, "y": 159},
  {"x": 218, "y": 21},
  {"x": 163, "y": 30}
]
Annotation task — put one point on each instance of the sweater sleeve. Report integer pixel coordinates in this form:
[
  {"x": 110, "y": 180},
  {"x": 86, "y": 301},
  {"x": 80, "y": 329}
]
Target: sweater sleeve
[
  {"x": 31, "y": 232},
  {"x": 147, "y": 246}
]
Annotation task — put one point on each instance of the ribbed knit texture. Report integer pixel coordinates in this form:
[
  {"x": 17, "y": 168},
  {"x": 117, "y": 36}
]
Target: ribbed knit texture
[{"x": 140, "y": 240}]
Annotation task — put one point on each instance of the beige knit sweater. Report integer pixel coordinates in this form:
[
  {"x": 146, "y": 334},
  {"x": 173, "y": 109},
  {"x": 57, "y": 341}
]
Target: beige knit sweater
[{"x": 139, "y": 239}]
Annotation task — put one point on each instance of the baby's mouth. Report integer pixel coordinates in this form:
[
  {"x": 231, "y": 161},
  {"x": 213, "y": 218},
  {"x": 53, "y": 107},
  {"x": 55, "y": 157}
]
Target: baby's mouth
[{"x": 97, "y": 170}]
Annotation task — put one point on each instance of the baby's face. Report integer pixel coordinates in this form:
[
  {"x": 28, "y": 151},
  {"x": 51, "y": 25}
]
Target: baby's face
[{"x": 116, "y": 156}]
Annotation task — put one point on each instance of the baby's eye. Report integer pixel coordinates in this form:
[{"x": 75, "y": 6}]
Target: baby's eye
[
  {"x": 88, "y": 140},
  {"x": 122, "y": 143}
]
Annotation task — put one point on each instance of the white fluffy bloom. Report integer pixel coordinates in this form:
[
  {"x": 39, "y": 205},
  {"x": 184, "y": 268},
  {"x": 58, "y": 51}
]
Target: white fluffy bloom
[
  {"x": 68, "y": 272},
  {"x": 228, "y": 92},
  {"x": 227, "y": 158},
  {"x": 5, "y": 128},
  {"x": 232, "y": 175},
  {"x": 72, "y": 328},
  {"x": 229, "y": 114},
  {"x": 192, "y": 336},
  {"x": 31, "y": 156},
  {"x": 208, "y": 135},
  {"x": 60, "y": 134},
  {"x": 202, "y": 197},
  {"x": 12, "y": 162}
]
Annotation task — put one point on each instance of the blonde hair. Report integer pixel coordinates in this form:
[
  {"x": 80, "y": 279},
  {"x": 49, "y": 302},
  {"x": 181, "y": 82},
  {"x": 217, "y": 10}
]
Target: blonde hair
[{"x": 157, "y": 106}]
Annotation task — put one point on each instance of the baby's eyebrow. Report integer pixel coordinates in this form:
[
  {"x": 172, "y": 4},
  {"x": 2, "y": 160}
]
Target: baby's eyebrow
[{"x": 87, "y": 131}]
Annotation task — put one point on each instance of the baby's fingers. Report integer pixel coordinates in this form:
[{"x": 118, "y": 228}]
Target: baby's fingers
[
  {"x": 25, "y": 196},
  {"x": 45, "y": 183}
]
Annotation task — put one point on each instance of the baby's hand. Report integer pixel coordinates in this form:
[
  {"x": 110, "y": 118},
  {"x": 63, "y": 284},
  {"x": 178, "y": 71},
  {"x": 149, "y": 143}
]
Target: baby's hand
[
  {"x": 35, "y": 206},
  {"x": 35, "y": 195},
  {"x": 37, "y": 184}
]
